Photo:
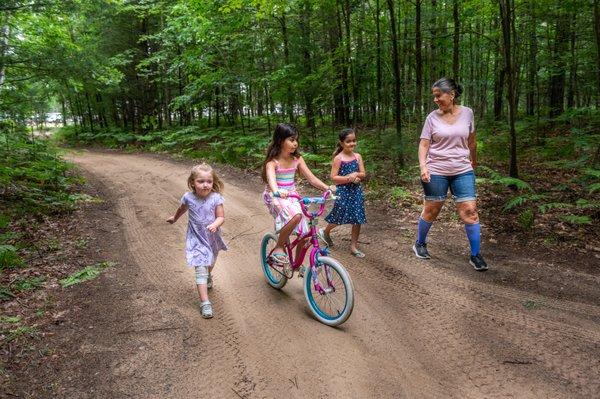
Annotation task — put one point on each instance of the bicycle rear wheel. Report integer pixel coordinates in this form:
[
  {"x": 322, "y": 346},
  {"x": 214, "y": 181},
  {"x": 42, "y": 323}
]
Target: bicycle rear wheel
[
  {"x": 334, "y": 306},
  {"x": 274, "y": 277}
]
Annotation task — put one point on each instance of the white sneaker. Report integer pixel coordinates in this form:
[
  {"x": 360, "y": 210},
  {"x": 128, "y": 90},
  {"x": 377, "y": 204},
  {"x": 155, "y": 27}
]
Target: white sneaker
[{"x": 206, "y": 309}]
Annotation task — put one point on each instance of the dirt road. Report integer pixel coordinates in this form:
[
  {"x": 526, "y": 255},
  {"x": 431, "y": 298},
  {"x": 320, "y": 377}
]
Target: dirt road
[{"x": 419, "y": 329}]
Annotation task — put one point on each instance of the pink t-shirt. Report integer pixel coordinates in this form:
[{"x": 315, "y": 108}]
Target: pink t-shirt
[{"x": 448, "y": 143}]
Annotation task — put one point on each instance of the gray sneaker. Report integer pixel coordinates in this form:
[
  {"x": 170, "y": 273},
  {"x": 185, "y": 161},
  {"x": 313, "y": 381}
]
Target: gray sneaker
[
  {"x": 421, "y": 251},
  {"x": 478, "y": 263},
  {"x": 206, "y": 309},
  {"x": 209, "y": 281}
]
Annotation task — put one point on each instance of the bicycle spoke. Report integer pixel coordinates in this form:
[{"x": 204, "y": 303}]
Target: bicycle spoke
[{"x": 333, "y": 302}]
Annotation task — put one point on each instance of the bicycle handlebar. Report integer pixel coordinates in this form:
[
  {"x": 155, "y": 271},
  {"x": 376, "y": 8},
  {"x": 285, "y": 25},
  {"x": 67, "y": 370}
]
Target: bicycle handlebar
[{"x": 304, "y": 201}]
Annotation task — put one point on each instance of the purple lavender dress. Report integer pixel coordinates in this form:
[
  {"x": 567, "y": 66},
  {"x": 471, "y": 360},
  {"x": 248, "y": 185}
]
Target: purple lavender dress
[{"x": 202, "y": 246}]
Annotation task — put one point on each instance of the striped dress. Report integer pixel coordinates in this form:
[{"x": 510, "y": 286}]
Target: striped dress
[{"x": 284, "y": 209}]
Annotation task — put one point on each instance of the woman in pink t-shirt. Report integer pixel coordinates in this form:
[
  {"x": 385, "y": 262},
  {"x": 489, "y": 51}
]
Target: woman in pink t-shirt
[{"x": 447, "y": 157}]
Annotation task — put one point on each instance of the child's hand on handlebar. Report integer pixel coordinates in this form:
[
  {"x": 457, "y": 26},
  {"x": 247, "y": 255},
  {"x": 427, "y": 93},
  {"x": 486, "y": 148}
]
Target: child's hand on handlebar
[{"x": 280, "y": 194}]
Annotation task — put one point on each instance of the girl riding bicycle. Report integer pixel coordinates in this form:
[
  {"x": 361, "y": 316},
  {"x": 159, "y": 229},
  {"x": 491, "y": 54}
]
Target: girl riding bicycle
[{"x": 278, "y": 172}]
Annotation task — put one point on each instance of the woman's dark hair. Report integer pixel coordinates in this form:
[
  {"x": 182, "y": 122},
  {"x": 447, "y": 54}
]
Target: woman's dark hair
[
  {"x": 282, "y": 132},
  {"x": 446, "y": 85},
  {"x": 342, "y": 136}
]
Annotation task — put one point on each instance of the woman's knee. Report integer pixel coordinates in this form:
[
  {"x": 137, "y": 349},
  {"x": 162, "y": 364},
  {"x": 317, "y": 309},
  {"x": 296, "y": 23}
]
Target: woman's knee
[
  {"x": 469, "y": 214},
  {"x": 431, "y": 212}
]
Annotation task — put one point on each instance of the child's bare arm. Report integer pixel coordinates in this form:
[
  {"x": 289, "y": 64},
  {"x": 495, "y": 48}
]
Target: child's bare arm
[
  {"x": 180, "y": 211},
  {"x": 220, "y": 219},
  {"x": 312, "y": 179},
  {"x": 361, "y": 168},
  {"x": 272, "y": 180}
]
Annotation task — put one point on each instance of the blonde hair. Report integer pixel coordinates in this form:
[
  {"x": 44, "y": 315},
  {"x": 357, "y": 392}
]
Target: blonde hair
[{"x": 204, "y": 167}]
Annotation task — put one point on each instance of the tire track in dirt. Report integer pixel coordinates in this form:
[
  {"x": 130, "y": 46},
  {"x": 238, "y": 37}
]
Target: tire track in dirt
[{"x": 418, "y": 330}]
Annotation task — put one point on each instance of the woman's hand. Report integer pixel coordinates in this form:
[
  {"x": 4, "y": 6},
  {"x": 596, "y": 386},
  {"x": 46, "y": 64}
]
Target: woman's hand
[
  {"x": 171, "y": 220},
  {"x": 425, "y": 177}
]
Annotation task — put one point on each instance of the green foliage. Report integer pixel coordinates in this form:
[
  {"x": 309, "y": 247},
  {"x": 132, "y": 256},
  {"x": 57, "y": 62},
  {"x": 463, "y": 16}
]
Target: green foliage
[
  {"x": 526, "y": 219},
  {"x": 34, "y": 178},
  {"x": 28, "y": 284},
  {"x": 19, "y": 332},
  {"x": 9, "y": 319},
  {"x": 522, "y": 199},
  {"x": 81, "y": 243},
  {"x": 4, "y": 221},
  {"x": 577, "y": 219},
  {"x": 5, "y": 293},
  {"x": 593, "y": 188},
  {"x": 9, "y": 257},
  {"x": 86, "y": 274},
  {"x": 553, "y": 205},
  {"x": 398, "y": 193},
  {"x": 496, "y": 178}
]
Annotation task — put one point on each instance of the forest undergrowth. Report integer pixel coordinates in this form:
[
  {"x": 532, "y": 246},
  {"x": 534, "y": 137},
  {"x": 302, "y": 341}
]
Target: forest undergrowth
[
  {"x": 44, "y": 248},
  {"x": 554, "y": 204}
]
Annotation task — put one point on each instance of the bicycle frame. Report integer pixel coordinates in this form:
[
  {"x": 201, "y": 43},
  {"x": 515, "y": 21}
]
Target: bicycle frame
[{"x": 316, "y": 249}]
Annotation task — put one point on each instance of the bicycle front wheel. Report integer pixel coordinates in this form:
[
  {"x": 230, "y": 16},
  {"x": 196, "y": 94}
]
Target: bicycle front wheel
[
  {"x": 334, "y": 304},
  {"x": 274, "y": 277}
]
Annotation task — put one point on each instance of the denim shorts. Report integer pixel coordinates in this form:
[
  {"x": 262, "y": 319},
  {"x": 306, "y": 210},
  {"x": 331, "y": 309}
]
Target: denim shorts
[{"x": 461, "y": 186}]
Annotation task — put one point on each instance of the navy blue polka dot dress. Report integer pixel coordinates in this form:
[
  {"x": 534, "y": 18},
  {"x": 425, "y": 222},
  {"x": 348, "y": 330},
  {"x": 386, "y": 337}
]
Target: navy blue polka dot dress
[{"x": 349, "y": 207}]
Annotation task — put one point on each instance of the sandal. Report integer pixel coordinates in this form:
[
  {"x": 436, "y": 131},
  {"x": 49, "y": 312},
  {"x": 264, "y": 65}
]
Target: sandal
[
  {"x": 326, "y": 238},
  {"x": 357, "y": 253},
  {"x": 279, "y": 259}
]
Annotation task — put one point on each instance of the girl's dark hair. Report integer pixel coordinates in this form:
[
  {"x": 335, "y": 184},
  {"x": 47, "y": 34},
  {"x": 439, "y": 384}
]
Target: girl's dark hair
[
  {"x": 446, "y": 85},
  {"x": 282, "y": 132},
  {"x": 342, "y": 136}
]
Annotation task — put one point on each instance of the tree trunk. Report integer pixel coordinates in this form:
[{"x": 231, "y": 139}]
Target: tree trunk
[
  {"x": 397, "y": 83},
  {"x": 4, "y": 33},
  {"x": 286, "y": 56},
  {"x": 89, "y": 109},
  {"x": 506, "y": 17},
  {"x": 455, "y": 47},
  {"x": 418, "y": 64},
  {"x": 307, "y": 67},
  {"x": 532, "y": 67},
  {"x": 573, "y": 67},
  {"x": 433, "y": 58},
  {"x": 379, "y": 83},
  {"x": 343, "y": 63},
  {"x": 597, "y": 31},
  {"x": 557, "y": 69}
]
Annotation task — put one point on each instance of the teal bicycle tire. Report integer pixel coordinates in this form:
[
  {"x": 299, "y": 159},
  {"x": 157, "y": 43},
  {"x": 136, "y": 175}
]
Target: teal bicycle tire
[
  {"x": 273, "y": 278},
  {"x": 314, "y": 298}
]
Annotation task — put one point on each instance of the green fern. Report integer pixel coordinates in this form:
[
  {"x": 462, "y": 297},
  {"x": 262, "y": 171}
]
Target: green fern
[
  {"x": 576, "y": 219},
  {"x": 592, "y": 188},
  {"x": 522, "y": 199},
  {"x": 498, "y": 179},
  {"x": 553, "y": 205}
]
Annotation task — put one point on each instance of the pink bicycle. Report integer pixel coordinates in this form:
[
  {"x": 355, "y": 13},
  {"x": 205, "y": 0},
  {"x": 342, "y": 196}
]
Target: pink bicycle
[{"x": 327, "y": 285}]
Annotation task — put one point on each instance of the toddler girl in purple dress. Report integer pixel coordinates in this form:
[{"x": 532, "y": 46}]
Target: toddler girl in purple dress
[{"x": 203, "y": 239}]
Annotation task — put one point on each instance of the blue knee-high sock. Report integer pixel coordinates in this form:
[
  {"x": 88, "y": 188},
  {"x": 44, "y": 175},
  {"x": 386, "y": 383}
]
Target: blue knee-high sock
[
  {"x": 422, "y": 230},
  {"x": 474, "y": 236}
]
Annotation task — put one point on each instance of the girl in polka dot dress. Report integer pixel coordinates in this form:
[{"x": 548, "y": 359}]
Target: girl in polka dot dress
[{"x": 347, "y": 171}]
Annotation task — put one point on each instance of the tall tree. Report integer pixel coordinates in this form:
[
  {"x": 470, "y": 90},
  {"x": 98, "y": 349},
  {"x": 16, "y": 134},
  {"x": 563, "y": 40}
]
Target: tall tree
[
  {"x": 456, "y": 47},
  {"x": 418, "y": 63},
  {"x": 506, "y": 17},
  {"x": 397, "y": 81}
]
